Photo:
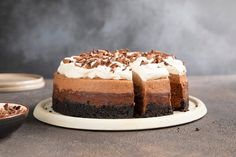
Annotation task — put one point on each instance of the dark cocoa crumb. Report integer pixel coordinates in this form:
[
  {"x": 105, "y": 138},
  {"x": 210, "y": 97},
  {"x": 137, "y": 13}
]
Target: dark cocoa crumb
[{"x": 197, "y": 129}]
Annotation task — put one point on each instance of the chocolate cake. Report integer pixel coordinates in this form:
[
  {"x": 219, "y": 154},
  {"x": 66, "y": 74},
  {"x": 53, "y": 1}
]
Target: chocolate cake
[{"x": 120, "y": 84}]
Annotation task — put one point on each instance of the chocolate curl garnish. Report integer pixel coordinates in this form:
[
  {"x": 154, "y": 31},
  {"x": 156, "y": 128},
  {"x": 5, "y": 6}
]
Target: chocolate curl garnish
[
  {"x": 113, "y": 67},
  {"x": 125, "y": 68},
  {"x": 166, "y": 63}
]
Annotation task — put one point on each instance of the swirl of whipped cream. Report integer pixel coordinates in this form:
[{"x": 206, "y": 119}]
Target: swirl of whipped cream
[{"x": 149, "y": 70}]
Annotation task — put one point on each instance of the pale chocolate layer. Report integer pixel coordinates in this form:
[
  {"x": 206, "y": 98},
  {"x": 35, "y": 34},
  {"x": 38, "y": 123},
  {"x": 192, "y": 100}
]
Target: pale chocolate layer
[{"x": 92, "y": 85}]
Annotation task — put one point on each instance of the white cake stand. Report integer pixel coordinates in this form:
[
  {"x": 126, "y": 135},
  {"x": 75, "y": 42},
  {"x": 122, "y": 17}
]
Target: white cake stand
[{"x": 44, "y": 112}]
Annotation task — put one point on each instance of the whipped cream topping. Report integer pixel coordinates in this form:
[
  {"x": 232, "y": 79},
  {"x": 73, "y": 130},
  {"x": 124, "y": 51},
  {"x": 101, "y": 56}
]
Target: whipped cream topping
[
  {"x": 120, "y": 64},
  {"x": 150, "y": 72},
  {"x": 70, "y": 70},
  {"x": 173, "y": 65}
]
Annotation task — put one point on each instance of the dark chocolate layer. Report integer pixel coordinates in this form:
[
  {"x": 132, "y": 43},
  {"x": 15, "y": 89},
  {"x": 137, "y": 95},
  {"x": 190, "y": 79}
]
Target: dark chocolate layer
[
  {"x": 184, "y": 104},
  {"x": 94, "y": 98},
  {"x": 90, "y": 111}
]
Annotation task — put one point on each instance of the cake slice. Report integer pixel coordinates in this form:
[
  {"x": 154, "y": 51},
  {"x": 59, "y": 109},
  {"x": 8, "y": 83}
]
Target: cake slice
[
  {"x": 151, "y": 89},
  {"x": 93, "y": 98},
  {"x": 177, "y": 77}
]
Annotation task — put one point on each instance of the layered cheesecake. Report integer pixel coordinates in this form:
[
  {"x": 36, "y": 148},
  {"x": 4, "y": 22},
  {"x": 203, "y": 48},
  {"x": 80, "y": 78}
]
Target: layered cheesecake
[{"x": 120, "y": 84}]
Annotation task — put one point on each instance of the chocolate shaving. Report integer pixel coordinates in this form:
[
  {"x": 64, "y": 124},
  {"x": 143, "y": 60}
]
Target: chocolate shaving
[
  {"x": 95, "y": 64},
  {"x": 125, "y": 68},
  {"x": 9, "y": 110},
  {"x": 6, "y": 106},
  {"x": 166, "y": 63},
  {"x": 149, "y": 56},
  {"x": 143, "y": 62},
  {"x": 113, "y": 67}
]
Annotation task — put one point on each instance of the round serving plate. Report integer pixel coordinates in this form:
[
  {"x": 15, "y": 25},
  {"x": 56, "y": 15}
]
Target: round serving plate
[
  {"x": 13, "y": 82},
  {"x": 44, "y": 112}
]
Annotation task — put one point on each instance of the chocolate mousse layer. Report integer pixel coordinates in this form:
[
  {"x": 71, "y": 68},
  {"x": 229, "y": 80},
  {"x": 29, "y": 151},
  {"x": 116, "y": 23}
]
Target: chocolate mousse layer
[
  {"x": 93, "y": 98},
  {"x": 179, "y": 92}
]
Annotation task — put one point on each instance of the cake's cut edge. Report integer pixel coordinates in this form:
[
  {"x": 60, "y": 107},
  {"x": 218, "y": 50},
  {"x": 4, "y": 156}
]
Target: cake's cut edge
[{"x": 179, "y": 92}]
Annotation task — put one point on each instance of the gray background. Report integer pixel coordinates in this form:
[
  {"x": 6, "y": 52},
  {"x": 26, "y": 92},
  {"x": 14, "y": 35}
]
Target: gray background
[{"x": 36, "y": 34}]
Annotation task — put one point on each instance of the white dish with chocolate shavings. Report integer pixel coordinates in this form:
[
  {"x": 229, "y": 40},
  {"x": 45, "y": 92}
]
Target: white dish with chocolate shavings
[
  {"x": 14, "y": 82},
  {"x": 44, "y": 112}
]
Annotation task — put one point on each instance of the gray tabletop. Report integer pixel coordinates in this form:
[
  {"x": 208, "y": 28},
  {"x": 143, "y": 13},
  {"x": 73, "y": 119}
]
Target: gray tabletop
[{"x": 213, "y": 135}]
